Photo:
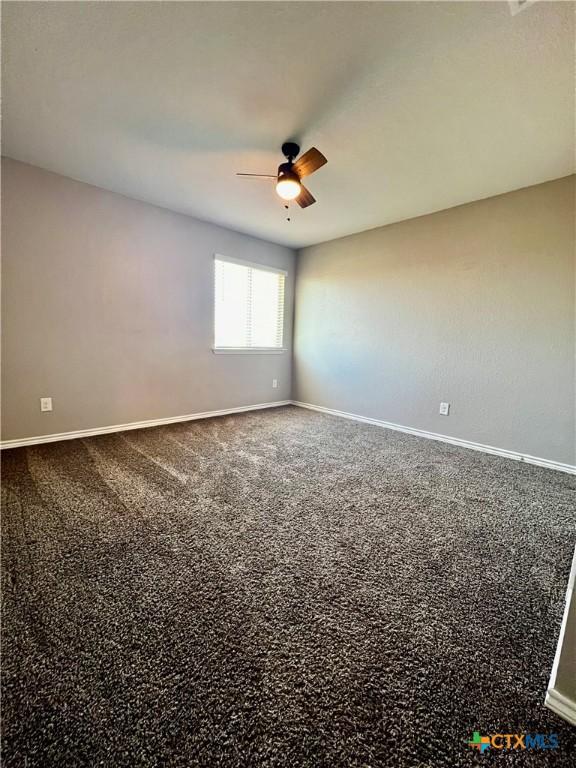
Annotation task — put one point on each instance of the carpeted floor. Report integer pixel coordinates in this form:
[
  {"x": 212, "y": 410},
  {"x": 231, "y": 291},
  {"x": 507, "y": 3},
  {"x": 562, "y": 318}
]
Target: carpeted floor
[{"x": 278, "y": 588}]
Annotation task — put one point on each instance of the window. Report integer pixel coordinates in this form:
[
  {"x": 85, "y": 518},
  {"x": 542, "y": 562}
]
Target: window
[{"x": 248, "y": 307}]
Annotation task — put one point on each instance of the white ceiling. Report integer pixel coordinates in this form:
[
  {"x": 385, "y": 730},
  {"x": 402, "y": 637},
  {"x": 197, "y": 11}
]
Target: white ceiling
[{"x": 418, "y": 106}]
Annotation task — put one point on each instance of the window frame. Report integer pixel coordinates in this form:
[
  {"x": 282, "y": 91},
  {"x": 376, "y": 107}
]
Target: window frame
[{"x": 246, "y": 350}]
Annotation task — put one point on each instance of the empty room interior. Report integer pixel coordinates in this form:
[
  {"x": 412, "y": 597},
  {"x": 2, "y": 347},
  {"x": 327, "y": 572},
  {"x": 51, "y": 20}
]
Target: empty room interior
[{"x": 288, "y": 384}]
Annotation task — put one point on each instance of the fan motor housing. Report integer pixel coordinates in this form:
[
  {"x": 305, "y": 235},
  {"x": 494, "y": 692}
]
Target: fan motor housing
[{"x": 285, "y": 172}]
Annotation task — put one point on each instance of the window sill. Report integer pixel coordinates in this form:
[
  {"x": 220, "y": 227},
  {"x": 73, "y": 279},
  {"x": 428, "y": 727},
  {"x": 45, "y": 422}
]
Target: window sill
[{"x": 248, "y": 350}]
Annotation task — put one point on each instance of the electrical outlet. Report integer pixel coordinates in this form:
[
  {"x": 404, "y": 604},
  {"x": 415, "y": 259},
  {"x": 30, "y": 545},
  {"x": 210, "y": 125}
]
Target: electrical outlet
[
  {"x": 274, "y": 383},
  {"x": 45, "y": 403},
  {"x": 444, "y": 409}
]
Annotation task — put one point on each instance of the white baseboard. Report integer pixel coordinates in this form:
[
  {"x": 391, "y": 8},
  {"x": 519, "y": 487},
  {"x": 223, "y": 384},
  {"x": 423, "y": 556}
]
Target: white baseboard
[
  {"x": 18, "y": 443},
  {"x": 561, "y": 705},
  {"x": 134, "y": 425},
  {"x": 558, "y": 702},
  {"x": 570, "y": 468}
]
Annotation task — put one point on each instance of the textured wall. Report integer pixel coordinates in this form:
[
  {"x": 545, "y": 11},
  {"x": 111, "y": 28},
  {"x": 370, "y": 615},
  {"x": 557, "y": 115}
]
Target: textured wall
[
  {"x": 473, "y": 305},
  {"x": 108, "y": 308}
]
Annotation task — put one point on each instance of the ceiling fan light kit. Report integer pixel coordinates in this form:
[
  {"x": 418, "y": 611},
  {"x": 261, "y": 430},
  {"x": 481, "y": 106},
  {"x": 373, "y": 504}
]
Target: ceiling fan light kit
[
  {"x": 288, "y": 184},
  {"x": 290, "y": 174}
]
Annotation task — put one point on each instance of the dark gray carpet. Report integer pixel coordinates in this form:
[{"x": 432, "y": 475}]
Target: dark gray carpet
[{"x": 279, "y": 588}]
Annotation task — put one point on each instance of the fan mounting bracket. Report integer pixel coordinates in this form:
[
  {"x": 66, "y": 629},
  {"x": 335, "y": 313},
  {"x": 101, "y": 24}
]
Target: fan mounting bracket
[{"x": 290, "y": 150}]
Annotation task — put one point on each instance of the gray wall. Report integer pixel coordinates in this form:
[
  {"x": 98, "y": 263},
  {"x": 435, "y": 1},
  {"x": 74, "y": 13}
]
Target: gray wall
[
  {"x": 108, "y": 308},
  {"x": 474, "y": 306}
]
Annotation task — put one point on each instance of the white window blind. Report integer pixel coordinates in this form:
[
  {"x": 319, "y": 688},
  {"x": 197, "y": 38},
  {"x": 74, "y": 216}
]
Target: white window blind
[{"x": 249, "y": 306}]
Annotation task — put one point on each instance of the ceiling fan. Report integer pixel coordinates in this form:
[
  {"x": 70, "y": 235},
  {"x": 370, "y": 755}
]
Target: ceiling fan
[{"x": 288, "y": 179}]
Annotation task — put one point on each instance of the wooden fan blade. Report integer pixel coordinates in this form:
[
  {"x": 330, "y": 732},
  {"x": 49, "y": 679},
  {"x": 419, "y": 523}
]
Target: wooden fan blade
[
  {"x": 309, "y": 162},
  {"x": 257, "y": 175},
  {"x": 305, "y": 198}
]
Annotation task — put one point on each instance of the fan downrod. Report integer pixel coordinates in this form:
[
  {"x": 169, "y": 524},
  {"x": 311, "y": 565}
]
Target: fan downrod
[{"x": 290, "y": 150}]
